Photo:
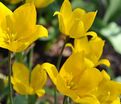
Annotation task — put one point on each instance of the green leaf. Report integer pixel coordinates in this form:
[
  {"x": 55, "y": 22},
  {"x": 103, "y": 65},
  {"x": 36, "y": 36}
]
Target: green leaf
[
  {"x": 113, "y": 9},
  {"x": 83, "y": 4},
  {"x": 19, "y": 99},
  {"x": 113, "y": 33}
]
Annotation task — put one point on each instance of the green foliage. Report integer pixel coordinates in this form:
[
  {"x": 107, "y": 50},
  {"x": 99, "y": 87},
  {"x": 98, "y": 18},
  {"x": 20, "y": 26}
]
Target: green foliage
[
  {"x": 19, "y": 99},
  {"x": 113, "y": 10},
  {"x": 113, "y": 33}
]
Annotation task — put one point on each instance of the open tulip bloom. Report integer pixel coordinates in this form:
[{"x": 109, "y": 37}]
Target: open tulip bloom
[
  {"x": 37, "y": 3},
  {"x": 108, "y": 91},
  {"x": 92, "y": 48},
  {"x": 26, "y": 84},
  {"x": 18, "y": 29},
  {"x": 84, "y": 84},
  {"x": 76, "y": 78},
  {"x": 40, "y": 3},
  {"x": 75, "y": 23}
]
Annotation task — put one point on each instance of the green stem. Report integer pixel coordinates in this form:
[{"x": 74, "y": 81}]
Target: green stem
[
  {"x": 31, "y": 58},
  {"x": 58, "y": 67},
  {"x": 30, "y": 69},
  {"x": 9, "y": 76},
  {"x": 61, "y": 54},
  {"x": 65, "y": 100},
  {"x": 30, "y": 62}
]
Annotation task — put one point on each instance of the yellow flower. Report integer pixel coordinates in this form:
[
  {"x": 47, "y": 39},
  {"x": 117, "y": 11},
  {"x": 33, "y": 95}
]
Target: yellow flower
[
  {"x": 93, "y": 49},
  {"x": 38, "y": 3},
  {"x": 14, "y": 1},
  {"x": 116, "y": 101},
  {"x": 108, "y": 91},
  {"x": 74, "y": 23},
  {"x": 24, "y": 84},
  {"x": 75, "y": 79},
  {"x": 41, "y": 3},
  {"x": 18, "y": 29}
]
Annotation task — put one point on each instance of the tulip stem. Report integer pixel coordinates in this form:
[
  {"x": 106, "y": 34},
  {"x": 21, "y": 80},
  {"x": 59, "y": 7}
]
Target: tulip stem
[
  {"x": 66, "y": 100},
  {"x": 60, "y": 56},
  {"x": 58, "y": 66},
  {"x": 30, "y": 69},
  {"x": 9, "y": 76},
  {"x": 30, "y": 63}
]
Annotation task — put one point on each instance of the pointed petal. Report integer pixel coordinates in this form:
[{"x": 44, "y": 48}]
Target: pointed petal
[
  {"x": 90, "y": 16},
  {"x": 91, "y": 33},
  {"x": 104, "y": 62},
  {"x": 38, "y": 78},
  {"x": 51, "y": 71},
  {"x": 75, "y": 61},
  {"x": 71, "y": 46},
  {"x": 62, "y": 25},
  {"x": 21, "y": 73},
  {"x": 96, "y": 45},
  {"x": 105, "y": 75},
  {"x": 66, "y": 9},
  {"x": 41, "y": 31},
  {"x": 25, "y": 18},
  {"x": 4, "y": 11},
  {"x": 78, "y": 13}
]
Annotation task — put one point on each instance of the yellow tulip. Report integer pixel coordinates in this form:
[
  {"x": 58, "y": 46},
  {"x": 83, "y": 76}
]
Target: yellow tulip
[
  {"x": 14, "y": 1},
  {"x": 25, "y": 84},
  {"x": 93, "y": 49},
  {"x": 108, "y": 91},
  {"x": 40, "y": 3},
  {"x": 18, "y": 29},
  {"x": 75, "y": 23},
  {"x": 75, "y": 79},
  {"x": 116, "y": 101}
]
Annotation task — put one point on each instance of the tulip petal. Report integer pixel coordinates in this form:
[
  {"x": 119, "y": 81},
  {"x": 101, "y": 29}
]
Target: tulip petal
[
  {"x": 116, "y": 101},
  {"x": 77, "y": 30},
  {"x": 42, "y": 3},
  {"x": 91, "y": 33},
  {"x": 4, "y": 11},
  {"x": 88, "y": 78},
  {"x": 104, "y": 62},
  {"x": 79, "y": 13},
  {"x": 81, "y": 44},
  {"x": 21, "y": 73},
  {"x": 105, "y": 75},
  {"x": 66, "y": 10},
  {"x": 75, "y": 61},
  {"x": 25, "y": 19},
  {"x": 90, "y": 16},
  {"x": 96, "y": 45},
  {"x": 38, "y": 79},
  {"x": 40, "y": 92},
  {"x": 51, "y": 71},
  {"x": 20, "y": 87}
]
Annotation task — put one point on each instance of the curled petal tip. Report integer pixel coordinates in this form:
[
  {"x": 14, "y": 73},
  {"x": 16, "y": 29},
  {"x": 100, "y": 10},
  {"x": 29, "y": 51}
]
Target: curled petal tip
[{"x": 56, "y": 13}]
